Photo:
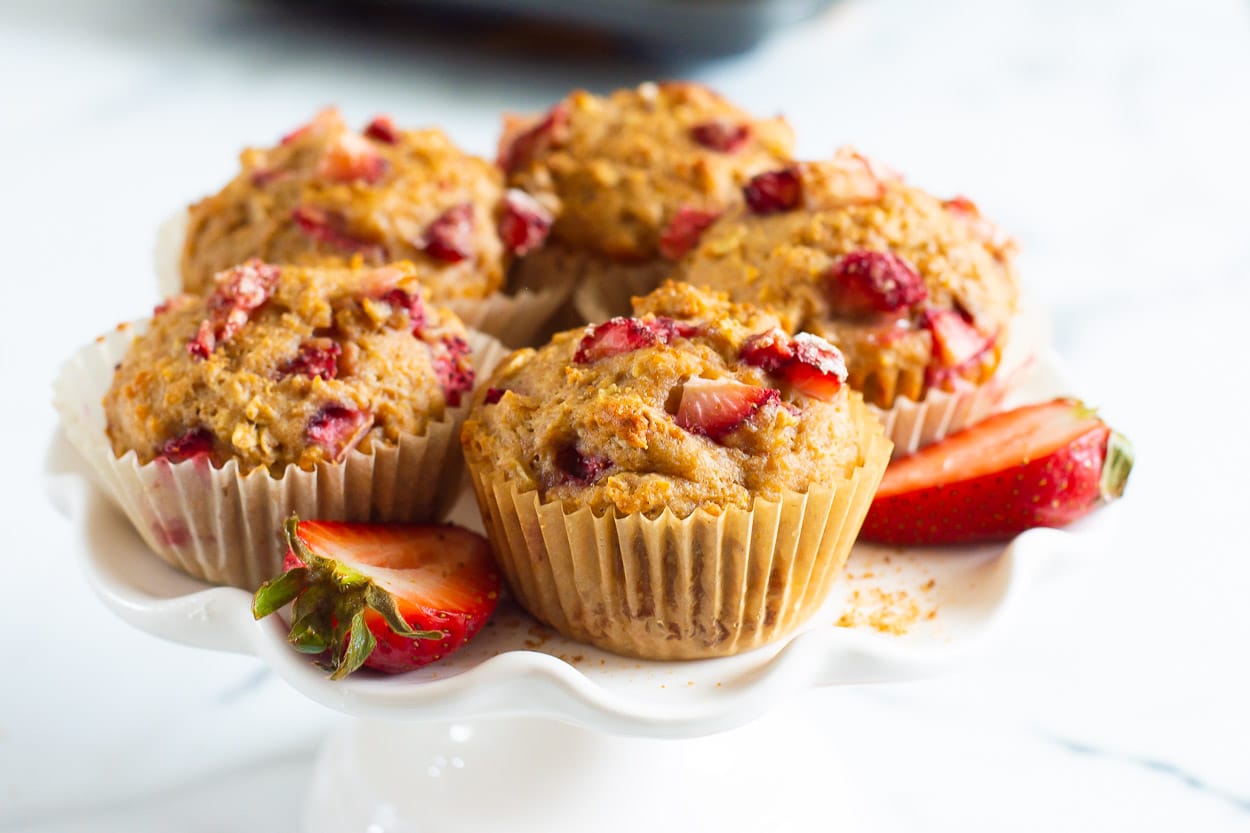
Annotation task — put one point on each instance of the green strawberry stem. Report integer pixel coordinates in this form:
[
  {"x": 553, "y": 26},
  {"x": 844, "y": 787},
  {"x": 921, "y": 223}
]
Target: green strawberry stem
[
  {"x": 1116, "y": 466},
  {"x": 330, "y": 601}
]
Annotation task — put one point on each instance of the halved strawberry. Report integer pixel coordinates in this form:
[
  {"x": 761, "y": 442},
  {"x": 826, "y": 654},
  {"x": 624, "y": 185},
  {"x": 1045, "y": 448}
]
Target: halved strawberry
[
  {"x": 715, "y": 407},
  {"x": 866, "y": 282},
  {"x": 525, "y": 223},
  {"x": 721, "y": 135},
  {"x": 774, "y": 191},
  {"x": 350, "y": 156},
  {"x": 450, "y": 237},
  {"x": 338, "y": 429},
  {"x": 684, "y": 230},
  {"x": 390, "y": 597},
  {"x": 1040, "y": 465}
]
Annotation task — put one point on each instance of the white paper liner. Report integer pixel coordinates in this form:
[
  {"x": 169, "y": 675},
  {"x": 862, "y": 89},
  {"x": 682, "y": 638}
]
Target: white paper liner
[
  {"x": 602, "y": 288},
  {"x": 912, "y": 425},
  {"x": 223, "y": 526},
  {"x": 680, "y": 588},
  {"x": 517, "y": 320}
]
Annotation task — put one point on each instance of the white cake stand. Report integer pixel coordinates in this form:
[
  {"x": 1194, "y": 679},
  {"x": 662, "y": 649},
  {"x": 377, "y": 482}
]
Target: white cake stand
[{"x": 523, "y": 730}]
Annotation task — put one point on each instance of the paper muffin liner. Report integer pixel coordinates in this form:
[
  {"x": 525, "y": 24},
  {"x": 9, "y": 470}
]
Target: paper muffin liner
[
  {"x": 224, "y": 526},
  {"x": 680, "y": 588},
  {"x": 912, "y": 425},
  {"x": 516, "y": 320},
  {"x": 601, "y": 288}
]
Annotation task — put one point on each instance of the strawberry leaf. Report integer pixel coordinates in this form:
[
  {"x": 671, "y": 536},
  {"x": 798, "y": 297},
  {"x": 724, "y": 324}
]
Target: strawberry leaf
[
  {"x": 277, "y": 593},
  {"x": 384, "y": 603},
  {"x": 359, "y": 645}
]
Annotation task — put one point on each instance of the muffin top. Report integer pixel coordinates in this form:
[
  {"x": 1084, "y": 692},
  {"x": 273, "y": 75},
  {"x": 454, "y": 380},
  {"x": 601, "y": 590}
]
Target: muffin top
[
  {"x": 916, "y": 291},
  {"x": 327, "y": 194},
  {"x": 288, "y": 365},
  {"x": 693, "y": 403},
  {"x": 633, "y": 175}
]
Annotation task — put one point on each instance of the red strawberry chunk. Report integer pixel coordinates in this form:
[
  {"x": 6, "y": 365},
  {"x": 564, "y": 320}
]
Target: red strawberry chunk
[
  {"x": 525, "y": 223},
  {"x": 338, "y": 429},
  {"x": 774, "y": 191},
  {"x": 721, "y": 135},
  {"x": 194, "y": 443},
  {"x": 411, "y": 303},
  {"x": 684, "y": 230},
  {"x": 770, "y": 350},
  {"x": 818, "y": 368},
  {"x": 715, "y": 407},
  {"x": 866, "y": 282},
  {"x": 265, "y": 176},
  {"x": 450, "y": 237},
  {"x": 955, "y": 340},
  {"x": 318, "y": 358},
  {"x": 452, "y": 366},
  {"x": 382, "y": 129},
  {"x": 624, "y": 335},
  {"x": 330, "y": 227},
  {"x": 239, "y": 291},
  {"x": 581, "y": 468},
  {"x": 493, "y": 395},
  {"x": 351, "y": 157},
  {"x": 527, "y": 143}
]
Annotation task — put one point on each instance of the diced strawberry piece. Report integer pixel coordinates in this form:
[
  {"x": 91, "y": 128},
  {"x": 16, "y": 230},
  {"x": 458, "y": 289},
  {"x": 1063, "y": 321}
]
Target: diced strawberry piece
[
  {"x": 866, "y": 282},
  {"x": 818, "y": 368},
  {"x": 493, "y": 395},
  {"x": 525, "y": 223},
  {"x": 382, "y": 129},
  {"x": 721, "y": 135},
  {"x": 317, "y": 358},
  {"x": 513, "y": 152},
  {"x": 684, "y": 230},
  {"x": 624, "y": 335},
  {"x": 450, "y": 237},
  {"x": 1040, "y": 465},
  {"x": 391, "y": 597},
  {"x": 455, "y": 372},
  {"x": 265, "y": 176},
  {"x": 412, "y": 304},
  {"x": 955, "y": 341},
  {"x": 961, "y": 205},
  {"x": 330, "y": 227},
  {"x": 239, "y": 291},
  {"x": 320, "y": 122},
  {"x": 715, "y": 407},
  {"x": 770, "y": 350},
  {"x": 581, "y": 468},
  {"x": 774, "y": 191},
  {"x": 351, "y": 157},
  {"x": 338, "y": 429},
  {"x": 194, "y": 443}
]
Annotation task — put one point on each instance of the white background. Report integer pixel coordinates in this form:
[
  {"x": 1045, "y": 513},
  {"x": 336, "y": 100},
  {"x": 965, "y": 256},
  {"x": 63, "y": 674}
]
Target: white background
[{"x": 1113, "y": 138}]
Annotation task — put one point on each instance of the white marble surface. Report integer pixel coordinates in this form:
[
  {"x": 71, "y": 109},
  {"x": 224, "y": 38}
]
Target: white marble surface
[{"x": 1111, "y": 137}]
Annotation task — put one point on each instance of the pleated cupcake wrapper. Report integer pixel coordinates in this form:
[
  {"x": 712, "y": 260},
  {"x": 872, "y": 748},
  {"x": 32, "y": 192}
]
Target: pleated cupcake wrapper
[
  {"x": 224, "y": 526},
  {"x": 601, "y": 287},
  {"x": 680, "y": 588},
  {"x": 516, "y": 320},
  {"x": 912, "y": 425}
]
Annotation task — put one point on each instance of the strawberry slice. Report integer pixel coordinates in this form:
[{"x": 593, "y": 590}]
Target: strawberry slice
[
  {"x": 1040, "y": 465},
  {"x": 392, "y": 597},
  {"x": 684, "y": 230},
  {"x": 338, "y": 429},
  {"x": 866, "y": 282},
  {"x": 774, "y": 191},
  {"x": 624, "y": 335},
  {"x": 351, "y": 157},
  {"x": 808, "y": 362},
  {"x": 715, "y": 407},
  {"x": 525, "y": 222},
  {"x": 382, "y": 129},
  {"x": 955, "y": 341},
  {"x": 450, "y": 237},
  {"x": 721, "y": 135}
]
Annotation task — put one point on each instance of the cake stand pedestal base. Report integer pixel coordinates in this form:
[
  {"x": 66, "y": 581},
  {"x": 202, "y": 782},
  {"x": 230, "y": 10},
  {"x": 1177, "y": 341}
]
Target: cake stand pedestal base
[{"x": 530, "y": 775}]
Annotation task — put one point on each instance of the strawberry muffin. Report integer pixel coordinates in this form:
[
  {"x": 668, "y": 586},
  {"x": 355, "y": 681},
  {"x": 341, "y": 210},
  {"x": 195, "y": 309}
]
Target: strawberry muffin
[
  {"x": 632, "y": 179},
  {"x": 331, "y": 392},
  {"x": 330, "y": 195},
  {"x": 681, "y": 483},
  {"x": 917, "y": 292}
]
